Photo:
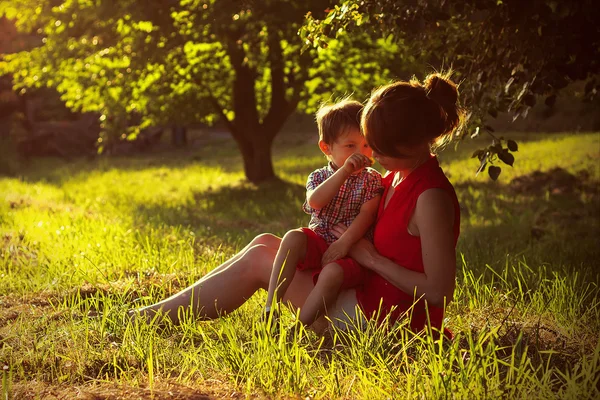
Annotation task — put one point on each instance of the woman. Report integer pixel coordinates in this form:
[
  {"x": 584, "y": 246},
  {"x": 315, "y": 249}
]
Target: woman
[{"x": 412, "y": 261}]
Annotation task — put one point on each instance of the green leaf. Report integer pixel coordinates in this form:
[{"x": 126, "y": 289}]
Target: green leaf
[
  {"x": 512, "y": 145},
  {"x": 495, "y": 148},
  {"x": 479, "y": 153},
  {"x": 144, "y": 26},
  {"x": 506, "y": 157},
  {"x": 494, "y": 172}
]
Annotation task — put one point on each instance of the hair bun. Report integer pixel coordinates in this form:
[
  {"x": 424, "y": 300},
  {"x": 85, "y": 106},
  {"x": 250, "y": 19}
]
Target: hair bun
[{"x": 441, "y": 90}]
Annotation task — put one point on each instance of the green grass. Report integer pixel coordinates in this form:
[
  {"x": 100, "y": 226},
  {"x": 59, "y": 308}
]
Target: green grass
[{"x": 82, "y": 242}]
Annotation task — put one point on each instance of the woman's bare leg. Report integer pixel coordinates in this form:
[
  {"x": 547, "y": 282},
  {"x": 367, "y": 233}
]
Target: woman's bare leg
[
  {"x": 226, "y": 287},
  {"x": 343, "y": 313},
  {"x": 231, "y": 284},
  {"x": 266, "y": 239},
  {"x": 227, "y": 290}
]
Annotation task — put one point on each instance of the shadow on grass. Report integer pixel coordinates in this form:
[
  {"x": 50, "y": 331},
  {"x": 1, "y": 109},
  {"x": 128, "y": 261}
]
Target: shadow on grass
[
  {"x": 549, "y": 218},
  {"x": 241, "y": 210},
  {"x": 55, "y": 170},
  {"x": 222, "y": 154}
]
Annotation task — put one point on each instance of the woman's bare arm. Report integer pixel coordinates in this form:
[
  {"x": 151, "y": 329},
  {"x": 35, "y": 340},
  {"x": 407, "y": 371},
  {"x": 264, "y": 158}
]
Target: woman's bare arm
[{"x": 434, "y": 219}]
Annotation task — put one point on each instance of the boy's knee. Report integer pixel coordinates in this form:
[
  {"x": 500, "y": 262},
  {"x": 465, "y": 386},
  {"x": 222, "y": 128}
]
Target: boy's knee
[
  {"x": 294, "y": 238},
  {"x": 331, "y": 275}
]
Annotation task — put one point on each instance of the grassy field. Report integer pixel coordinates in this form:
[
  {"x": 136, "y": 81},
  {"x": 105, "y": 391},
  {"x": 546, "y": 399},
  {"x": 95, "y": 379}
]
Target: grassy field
[{"x": 82, "y": 242}]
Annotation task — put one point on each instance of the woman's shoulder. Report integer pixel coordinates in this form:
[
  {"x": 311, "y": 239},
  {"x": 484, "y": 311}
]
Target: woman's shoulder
[
  {"x": 433, "y": 177},
  {"x": 435, "y": 191},
  {"x": 434, "y": 197},
  {"x": 435, "y": 209}
]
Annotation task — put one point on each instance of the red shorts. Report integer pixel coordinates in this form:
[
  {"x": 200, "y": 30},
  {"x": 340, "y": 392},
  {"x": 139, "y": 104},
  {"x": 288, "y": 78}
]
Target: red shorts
[{"x": 316, "y": 246}]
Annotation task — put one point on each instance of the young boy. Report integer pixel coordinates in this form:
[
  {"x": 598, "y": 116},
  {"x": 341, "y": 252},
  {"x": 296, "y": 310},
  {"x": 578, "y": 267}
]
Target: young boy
[{"x": 346, "y": 191}]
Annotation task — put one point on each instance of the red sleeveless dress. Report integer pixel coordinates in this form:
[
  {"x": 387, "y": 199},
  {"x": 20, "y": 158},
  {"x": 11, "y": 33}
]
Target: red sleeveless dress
[{"x": 392, "y": 240}]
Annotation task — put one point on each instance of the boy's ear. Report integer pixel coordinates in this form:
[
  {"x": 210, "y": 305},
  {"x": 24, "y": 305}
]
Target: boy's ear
[{"x": 324, "y": 147}]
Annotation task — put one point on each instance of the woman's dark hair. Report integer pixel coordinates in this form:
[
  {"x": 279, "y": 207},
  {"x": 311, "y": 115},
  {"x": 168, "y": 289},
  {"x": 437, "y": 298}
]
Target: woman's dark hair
[{"x": 412, "y": 113}]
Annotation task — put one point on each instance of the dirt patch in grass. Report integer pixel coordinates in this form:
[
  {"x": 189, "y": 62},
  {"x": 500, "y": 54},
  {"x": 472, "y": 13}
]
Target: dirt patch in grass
[
  {"x": 556, "y": 181},
  {"x": 49, "y": 304},
  {"x": 13, "y": 307},
  {"x": 104, "y": 391}
]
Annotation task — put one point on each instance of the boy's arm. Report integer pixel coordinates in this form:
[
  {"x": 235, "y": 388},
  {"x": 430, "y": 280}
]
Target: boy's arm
[
  {"x": 320, "y": 196},
  {"x": 357, "y": 229}
]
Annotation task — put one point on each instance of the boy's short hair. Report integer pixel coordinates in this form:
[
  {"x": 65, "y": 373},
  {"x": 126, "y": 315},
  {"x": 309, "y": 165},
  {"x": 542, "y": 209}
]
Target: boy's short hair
[{"x": 335, "y": 120}]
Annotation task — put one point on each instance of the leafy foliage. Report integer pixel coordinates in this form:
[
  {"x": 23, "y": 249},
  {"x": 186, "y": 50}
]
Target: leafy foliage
[
  {"x": 178, "y": 61},
  {"x": 506, "y": 53},
  {"x": 190, "y": 61}
]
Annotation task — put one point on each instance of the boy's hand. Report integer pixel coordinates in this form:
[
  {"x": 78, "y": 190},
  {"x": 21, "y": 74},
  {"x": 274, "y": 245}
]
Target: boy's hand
[
  {"x": 356, "y": 162},
  {"x": 338, "y": 249}
]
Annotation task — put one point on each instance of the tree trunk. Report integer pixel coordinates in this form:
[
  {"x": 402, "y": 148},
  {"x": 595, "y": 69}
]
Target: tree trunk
[
  {"x": 178, "y": 135},
  {"x": 253, "y": 134},
  {"x": 257, "y": 156}
]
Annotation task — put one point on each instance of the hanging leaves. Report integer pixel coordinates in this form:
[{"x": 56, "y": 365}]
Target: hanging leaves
[
  {"x": 506, "y": 157},
  {"x": 503, "y": 59},
  {"x": 494, "y": 172}
]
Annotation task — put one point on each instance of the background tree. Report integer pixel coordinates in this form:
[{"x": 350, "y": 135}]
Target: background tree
[
  {"x": 506, "y": 53},
  {"x": 189, "y": 61},
  {"x": 176, "y": 61}
]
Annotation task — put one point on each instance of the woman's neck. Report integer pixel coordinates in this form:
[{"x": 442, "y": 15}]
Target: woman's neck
[{"x": 402, "y": 174}]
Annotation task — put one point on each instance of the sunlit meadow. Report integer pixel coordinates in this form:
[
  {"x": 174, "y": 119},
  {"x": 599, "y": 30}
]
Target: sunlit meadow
[{"x": 83, "y": 241}]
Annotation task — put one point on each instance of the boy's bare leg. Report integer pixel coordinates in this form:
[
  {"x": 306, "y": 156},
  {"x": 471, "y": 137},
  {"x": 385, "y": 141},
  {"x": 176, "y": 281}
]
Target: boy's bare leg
[
  {"x": 324, "y": 294},
  {"x": 291, "y": 250}
]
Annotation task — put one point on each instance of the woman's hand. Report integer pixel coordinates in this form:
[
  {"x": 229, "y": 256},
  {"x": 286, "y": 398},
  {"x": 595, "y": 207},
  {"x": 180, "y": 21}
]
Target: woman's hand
[
  {"x": 362, "y": 251},
  {"x": 338, "y": 230}
]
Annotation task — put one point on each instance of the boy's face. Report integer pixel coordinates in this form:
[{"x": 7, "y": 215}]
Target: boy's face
[{"x": 344, "y": 146}]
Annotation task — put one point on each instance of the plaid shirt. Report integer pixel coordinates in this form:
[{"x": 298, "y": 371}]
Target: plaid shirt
[{"x": 345, "y": 205}]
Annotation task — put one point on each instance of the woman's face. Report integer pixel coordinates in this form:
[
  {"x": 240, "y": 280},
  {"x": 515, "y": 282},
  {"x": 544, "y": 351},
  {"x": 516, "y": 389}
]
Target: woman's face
[{"x": 408, "y": 158}]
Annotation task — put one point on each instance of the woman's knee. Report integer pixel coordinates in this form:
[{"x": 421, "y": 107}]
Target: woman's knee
[
  {"x": 257, "y": 262},
  {"x": 266, "y": 239}
]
